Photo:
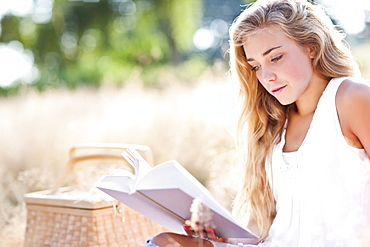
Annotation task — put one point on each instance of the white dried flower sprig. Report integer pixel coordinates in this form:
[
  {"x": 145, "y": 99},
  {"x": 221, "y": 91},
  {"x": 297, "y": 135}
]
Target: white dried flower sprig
[{"x": 201, "y": 216}]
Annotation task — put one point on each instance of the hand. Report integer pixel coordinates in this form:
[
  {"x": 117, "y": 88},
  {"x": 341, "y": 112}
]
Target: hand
[
  {"x": 201, "y": 222},
  {"x": 209, "y": 233},
  {"x": 197, "y": 230}
]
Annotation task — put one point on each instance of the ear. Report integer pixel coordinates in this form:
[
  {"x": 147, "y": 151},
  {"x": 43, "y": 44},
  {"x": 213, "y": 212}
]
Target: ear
[{"x": 310, "y": 51}]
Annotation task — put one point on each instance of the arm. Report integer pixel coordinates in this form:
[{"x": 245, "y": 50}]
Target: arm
[
  {"x": 252, "y": 225},
  {"x": 353, "y": 106}
]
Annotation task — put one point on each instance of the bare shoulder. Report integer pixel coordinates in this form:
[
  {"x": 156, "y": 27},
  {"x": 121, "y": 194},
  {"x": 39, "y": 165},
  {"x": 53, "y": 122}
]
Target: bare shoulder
[
  {"x": 353, "y": 106},
  {"x": 353, "y": 98},
  {"x": 351, "y": 90}
]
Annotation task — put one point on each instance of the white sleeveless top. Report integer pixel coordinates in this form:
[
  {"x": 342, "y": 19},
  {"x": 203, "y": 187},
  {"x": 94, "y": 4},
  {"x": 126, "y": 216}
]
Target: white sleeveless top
[{"x": 322, "y": 190}]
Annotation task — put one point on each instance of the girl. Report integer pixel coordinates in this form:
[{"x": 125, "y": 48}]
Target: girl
[{"x": 305, "y": 121}]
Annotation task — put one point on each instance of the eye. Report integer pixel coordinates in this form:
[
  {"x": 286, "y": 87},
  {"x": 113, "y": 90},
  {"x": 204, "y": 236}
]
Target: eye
[
  {"x": 277, "y": 58},
  {"x": 256, "y": 67}
]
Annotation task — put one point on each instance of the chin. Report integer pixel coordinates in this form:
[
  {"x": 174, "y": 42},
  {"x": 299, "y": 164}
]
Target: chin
[{"x": 285, "y": 102}]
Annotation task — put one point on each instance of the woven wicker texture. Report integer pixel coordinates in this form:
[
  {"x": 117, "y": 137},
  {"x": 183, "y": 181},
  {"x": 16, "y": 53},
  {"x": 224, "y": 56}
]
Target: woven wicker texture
[
  {"x": 58, "y": 226},
  {"x": 75, "y": 216}
]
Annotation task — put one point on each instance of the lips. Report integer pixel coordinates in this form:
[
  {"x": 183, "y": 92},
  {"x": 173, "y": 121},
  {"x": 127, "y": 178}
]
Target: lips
[{"x": 278, "y": 89}]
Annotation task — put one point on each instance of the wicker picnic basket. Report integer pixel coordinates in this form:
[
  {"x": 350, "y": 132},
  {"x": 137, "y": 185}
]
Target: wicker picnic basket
[{"x": 71, "y": 216}]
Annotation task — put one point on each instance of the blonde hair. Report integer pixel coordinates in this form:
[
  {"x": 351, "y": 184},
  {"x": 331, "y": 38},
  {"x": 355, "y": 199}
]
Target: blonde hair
[{"x": 262, "y": 117}]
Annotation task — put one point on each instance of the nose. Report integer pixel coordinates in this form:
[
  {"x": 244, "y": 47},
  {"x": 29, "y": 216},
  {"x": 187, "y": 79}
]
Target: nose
[{"x": 267, "y": 75}]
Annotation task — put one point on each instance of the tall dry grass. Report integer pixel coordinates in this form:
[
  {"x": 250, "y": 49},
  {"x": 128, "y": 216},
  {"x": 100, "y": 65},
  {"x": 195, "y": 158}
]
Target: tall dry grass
[{"x": 189, "y": 123}]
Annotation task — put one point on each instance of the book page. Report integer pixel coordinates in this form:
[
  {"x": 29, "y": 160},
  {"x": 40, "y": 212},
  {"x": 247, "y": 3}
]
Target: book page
[
  {"x": 141, "y": 167},
  {"x": 178, "y": 201},
  {"x": 115, "y": 186},
  {"x": 171, "y": 175},
  {"x": 124, "y": 183},
  {"x": 174, "y": 188}
]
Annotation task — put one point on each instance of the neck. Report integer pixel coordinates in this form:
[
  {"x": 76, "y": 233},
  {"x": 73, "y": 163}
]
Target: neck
[{"x": 307, "y": 103}]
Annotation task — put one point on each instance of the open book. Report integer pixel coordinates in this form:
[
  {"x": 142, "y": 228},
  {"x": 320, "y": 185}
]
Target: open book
[{"x": 164, "y": 194}]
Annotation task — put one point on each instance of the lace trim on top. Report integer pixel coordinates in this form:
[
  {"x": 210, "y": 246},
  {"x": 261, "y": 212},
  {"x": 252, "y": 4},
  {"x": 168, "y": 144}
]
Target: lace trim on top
[{"x": 289, "y": 168}]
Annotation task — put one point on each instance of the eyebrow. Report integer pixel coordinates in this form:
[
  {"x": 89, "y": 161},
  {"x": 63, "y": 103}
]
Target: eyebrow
[{"x": 266, "y": 52}]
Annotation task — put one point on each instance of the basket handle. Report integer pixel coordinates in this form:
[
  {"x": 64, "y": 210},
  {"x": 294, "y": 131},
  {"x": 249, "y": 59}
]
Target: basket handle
[{"x": 73, "y": 158}]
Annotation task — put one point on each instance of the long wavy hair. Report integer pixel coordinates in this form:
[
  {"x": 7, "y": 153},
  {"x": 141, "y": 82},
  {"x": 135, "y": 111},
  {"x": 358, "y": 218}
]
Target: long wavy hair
[{"x": 262, "y": 117}]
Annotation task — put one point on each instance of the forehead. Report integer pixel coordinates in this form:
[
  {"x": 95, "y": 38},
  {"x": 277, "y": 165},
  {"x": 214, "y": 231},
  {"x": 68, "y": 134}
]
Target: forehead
[{"x": 265, "y": 39}]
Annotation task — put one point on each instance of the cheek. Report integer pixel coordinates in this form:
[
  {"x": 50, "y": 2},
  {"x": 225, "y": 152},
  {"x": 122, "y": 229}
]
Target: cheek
[
  {"x": 302, "y": 65},
  {"x": 299, "y": 70}
]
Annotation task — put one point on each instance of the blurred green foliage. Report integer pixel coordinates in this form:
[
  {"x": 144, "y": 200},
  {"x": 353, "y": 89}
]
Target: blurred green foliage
[
  {"x": 106, "y": 40},
  {"x": 90, "y": 42}
]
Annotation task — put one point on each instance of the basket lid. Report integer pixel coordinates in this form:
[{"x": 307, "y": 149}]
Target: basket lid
[{"x": 69, "y": 197}]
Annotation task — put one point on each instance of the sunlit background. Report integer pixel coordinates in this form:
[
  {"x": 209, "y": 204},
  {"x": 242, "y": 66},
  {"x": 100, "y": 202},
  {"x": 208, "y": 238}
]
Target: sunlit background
[
  {"x": 150, "y": 72},
  {"x": 49, "y": 43},
  {"x": 40, "y": 38}
]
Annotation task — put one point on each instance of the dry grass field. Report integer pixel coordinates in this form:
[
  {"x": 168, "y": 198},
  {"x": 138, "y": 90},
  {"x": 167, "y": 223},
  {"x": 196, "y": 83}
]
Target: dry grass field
[{"x": 189, "y": 123}]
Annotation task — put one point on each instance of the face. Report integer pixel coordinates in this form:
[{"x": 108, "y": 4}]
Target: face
[{"x": 282, "y": 66}]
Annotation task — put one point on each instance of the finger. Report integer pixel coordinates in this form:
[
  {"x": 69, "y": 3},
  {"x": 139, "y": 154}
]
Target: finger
[
  {"x": 196, "y": 228},
  {"x": 211, "y": 233},
  {"x": 188, "y": 229},
  {"x": 199, "y": 227}
]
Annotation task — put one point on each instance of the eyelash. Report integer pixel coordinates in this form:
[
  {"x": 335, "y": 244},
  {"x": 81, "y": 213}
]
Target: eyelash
[
  {"x": 255, "y": 68},
  {"x": 275, "y": 59}
]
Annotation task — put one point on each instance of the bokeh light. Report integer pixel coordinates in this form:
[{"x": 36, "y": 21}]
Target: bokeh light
[{"x": 16, "y": 63}]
